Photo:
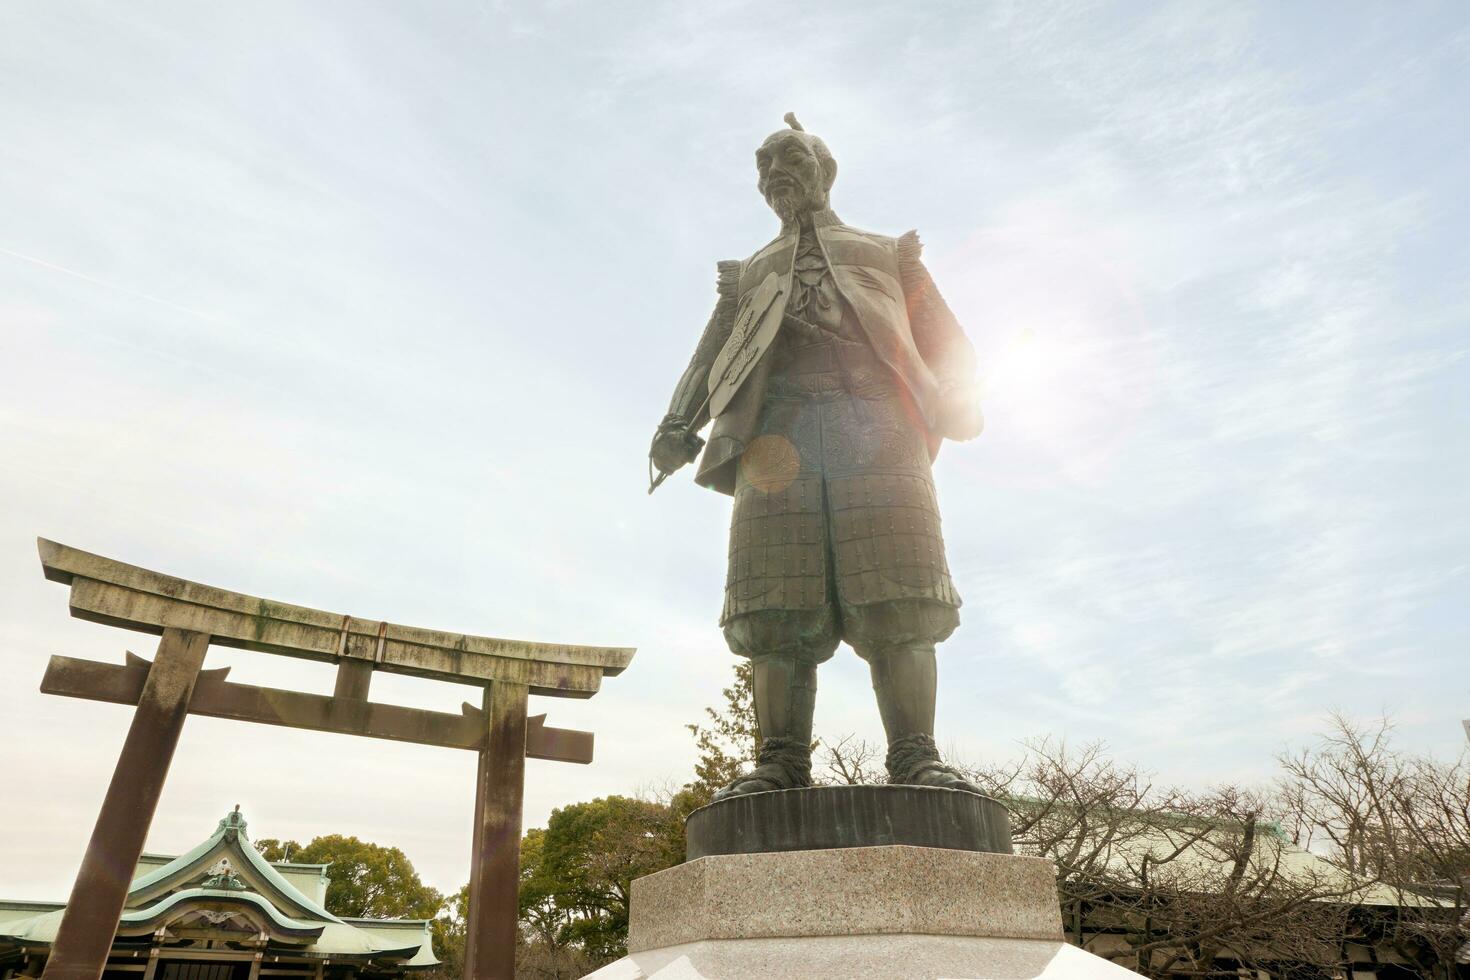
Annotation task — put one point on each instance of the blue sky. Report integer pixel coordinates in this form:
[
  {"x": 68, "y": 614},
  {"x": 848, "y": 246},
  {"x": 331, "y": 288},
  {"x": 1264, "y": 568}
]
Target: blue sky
[{"x": 373, "y": 308}]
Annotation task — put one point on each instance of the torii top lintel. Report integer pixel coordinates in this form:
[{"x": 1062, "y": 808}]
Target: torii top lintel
[{"x": 107, "y": 591}]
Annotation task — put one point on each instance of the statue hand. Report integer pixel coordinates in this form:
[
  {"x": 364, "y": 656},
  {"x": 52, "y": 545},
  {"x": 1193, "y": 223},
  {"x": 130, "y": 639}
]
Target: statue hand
[
  {"x": 960, "y": 417},
  {"x": 674, "y": 445}
]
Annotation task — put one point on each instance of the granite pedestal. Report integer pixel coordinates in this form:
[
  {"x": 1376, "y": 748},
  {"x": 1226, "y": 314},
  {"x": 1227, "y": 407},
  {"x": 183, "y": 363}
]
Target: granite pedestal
[{"x": 888, "y": 909}]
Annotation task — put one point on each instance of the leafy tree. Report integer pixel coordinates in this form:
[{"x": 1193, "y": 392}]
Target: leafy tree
[
  {"x": 728, "y": 742},
  {"x": 541, "y": 917},
  {"x": 536, "y": 958},
  {"x": 576, "y": 875},
  {"x": 450, "y": 933},
  {"x": 274, "y": 849},
  {"x": 364, "y": 880}
]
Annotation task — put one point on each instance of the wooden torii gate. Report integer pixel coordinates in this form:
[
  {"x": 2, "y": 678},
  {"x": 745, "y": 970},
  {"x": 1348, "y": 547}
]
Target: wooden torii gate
[{"x": 189, "y": 617}]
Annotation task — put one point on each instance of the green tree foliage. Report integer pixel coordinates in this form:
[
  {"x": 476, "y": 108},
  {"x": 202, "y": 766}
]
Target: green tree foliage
[
  {"x": 576, "y": 874},
  {"x": 541, "y": 918},
  {"x": 364, "y": 879},
  {"x": 728, "y": 741},
  {"x": 274, "y": 849},
  {"x": 449, "y": 929}
]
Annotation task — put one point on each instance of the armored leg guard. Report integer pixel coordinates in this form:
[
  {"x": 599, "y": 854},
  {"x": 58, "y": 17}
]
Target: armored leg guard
[
  {"x": 785, "y": 698},
  {"x": 905, "y": 681}
]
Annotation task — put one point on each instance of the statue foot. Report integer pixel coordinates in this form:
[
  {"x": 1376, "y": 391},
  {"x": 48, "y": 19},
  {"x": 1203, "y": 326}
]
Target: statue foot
[
  {"x": 761, "y": 779},
  {"x": 913, "y": 760},
  {"x": 784, "y": 763},
  {"x": 939, "y": 774}
]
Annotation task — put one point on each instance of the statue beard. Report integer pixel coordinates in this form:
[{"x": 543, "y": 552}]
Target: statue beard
[{"x": 793, "y": 204}]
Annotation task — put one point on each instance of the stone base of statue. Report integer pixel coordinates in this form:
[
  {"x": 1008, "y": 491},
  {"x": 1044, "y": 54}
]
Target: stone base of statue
[{"x": 869, "y": 901}]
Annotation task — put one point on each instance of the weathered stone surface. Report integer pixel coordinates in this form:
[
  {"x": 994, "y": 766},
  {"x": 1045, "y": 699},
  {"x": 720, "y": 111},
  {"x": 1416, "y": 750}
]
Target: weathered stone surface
[
  {"x": 846, "y": 892},
  {"x": 108, "y": 591},
  {"x": 849, "y": 816},
  {"x": 847, "y": 957},
  {"x": 892, "y": 912}
]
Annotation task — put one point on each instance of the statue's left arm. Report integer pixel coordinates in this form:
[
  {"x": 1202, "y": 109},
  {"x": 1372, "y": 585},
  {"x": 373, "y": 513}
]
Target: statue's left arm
[{"x": 942, "y": 343}]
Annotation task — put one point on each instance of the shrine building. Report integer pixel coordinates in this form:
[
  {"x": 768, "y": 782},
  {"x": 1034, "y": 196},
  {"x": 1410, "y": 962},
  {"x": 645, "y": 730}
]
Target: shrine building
[{"x": 222, "y": 912}]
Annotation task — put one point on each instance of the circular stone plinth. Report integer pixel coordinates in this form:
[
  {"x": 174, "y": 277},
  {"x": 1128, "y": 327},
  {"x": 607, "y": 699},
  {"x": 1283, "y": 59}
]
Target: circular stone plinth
[{"x": 822, "y": 817}]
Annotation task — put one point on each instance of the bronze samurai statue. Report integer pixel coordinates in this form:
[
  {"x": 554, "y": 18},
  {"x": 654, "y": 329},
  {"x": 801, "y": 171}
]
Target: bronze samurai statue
[{"x": 832, "y": 369}]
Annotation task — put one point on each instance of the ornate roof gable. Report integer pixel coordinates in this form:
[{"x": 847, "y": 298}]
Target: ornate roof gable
[{"x": 229, "y": 845}]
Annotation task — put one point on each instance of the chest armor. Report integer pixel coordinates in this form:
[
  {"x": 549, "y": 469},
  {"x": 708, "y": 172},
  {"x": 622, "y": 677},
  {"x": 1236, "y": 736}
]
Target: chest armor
[{"x": 864, "y": 275}]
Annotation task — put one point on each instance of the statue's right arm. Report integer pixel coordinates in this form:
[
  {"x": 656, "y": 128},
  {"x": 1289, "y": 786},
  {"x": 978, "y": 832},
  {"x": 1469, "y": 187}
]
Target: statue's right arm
[{"x": 688, "y": 408}]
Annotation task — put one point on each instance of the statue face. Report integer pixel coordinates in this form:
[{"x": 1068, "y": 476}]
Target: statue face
[{"x": 791, "y": 178}]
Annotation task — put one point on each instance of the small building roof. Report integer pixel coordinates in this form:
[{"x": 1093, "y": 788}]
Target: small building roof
[{"x": 224, "y": 885}]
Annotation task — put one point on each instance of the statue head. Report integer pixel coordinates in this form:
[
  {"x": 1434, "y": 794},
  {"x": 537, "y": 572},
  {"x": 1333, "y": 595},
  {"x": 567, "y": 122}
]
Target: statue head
[{"x": 796, "y": 171}]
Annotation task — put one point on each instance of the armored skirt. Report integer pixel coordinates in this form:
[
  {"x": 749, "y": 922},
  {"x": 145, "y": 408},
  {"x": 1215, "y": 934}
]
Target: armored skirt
[{"x": 835, "y": 533}]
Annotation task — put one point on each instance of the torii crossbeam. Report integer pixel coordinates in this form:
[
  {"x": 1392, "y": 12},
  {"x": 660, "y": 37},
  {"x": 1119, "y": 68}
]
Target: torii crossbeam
[{"x": 190, "y": 617}]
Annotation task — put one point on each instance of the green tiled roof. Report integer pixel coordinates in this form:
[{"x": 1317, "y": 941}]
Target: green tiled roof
[{"x": 226, "y": 873}]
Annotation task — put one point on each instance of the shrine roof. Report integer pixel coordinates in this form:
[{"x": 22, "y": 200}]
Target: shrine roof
[
  {"x": 224, "y": 883},
  {"x": 154, "y": 860},
  {"x": 228, "y": 840},
  {"x": 14, "y": 910}
]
